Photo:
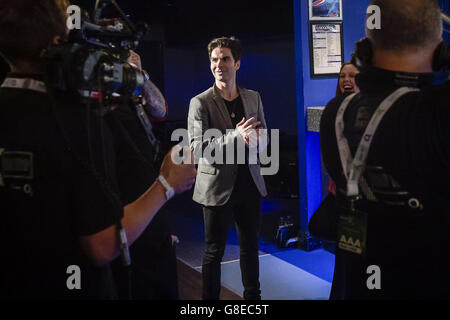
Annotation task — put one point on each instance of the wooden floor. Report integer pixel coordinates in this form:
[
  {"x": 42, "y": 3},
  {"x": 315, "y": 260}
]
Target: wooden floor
[{"x": 190, "y": 285}]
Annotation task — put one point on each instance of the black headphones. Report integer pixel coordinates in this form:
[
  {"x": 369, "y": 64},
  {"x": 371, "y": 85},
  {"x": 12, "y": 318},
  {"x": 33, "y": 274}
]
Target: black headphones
[
  {"x": 363, "y": 55},
  {"x": 441, "y": 58}
]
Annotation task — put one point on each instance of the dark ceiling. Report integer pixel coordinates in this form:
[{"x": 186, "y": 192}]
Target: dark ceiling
[{"x": 197, "y": 21}]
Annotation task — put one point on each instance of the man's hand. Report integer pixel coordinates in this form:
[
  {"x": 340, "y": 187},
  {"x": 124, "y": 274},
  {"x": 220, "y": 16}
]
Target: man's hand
[
  {"x": 332, "y": 188},
  {"x": 175, "y": 239},
  {"x": 247, "y": 131},
  {"x": 255, "y": 137},
  {"x": 135, "y": 60},
  {"x": 180, "y": 176}
]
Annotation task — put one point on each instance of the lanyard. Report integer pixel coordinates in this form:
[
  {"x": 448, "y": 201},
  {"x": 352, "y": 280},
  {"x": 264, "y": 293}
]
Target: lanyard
[
  {"x": 24, "y": 83},
  {"x": 353, "y": 167}
]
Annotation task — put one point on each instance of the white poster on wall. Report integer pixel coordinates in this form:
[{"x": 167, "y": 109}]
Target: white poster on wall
[{"x": 326, "y": 48}]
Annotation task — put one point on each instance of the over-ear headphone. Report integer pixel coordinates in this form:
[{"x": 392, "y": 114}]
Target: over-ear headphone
[
  {"x": 363, "y": 55},
  {"x": 441, "y": 58}
]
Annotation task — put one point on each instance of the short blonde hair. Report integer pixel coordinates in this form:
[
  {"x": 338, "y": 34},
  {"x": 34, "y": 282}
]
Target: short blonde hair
[{"x": 406, "y": 24}]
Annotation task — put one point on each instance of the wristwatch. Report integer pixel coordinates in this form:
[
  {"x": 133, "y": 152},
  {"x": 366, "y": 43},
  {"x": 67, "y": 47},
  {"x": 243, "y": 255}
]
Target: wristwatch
[{"x": 169, "y": 190}]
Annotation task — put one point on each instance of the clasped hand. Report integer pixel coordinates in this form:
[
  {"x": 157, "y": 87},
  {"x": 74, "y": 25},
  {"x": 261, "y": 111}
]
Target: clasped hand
[{"x": 249, "y": 131}]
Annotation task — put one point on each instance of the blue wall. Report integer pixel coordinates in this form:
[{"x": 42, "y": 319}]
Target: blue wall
[
  {"x": 317, "y": 92},
  {"x": 280, "y": 71}
]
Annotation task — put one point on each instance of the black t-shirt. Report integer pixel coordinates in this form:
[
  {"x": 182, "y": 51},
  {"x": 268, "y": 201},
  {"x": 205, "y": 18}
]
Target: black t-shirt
[
  {"x": 411, "y": 146},
  {"x": 136, "y": 170},
  {"x": 236, "y": 110},
  {"x": 40, "y": 232}
]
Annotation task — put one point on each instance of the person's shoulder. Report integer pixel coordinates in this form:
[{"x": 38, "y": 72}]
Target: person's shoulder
[
  {"x": 431, "y": 98},
  {"x": 21, "y": 93},
  {"x": 24, "y": 99},
  {"x": 438, "y": 93},
  {"x": 250, "y": 95},
  {"x": 333, "y": 104},
  {"x": 201, "y": 100},
  {"x": 208, "y": 93},
  {"x": 249, "y": 92},
  {"x": 329, "y": 113}
]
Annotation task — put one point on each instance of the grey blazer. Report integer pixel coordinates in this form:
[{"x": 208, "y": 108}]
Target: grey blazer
[{"x": 207, "y": 110}]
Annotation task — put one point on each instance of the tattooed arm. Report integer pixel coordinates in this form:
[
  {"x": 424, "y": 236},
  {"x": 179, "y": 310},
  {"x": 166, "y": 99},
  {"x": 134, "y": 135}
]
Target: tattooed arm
[{"x": 156, "y": 105}]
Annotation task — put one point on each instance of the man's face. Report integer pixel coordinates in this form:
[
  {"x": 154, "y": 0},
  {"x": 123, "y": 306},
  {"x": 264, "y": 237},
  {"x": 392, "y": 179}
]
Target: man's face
[{"x": 223, "y": 66}]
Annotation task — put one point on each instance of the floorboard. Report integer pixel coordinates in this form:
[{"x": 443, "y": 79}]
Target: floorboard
[{"x": 190, "y": 284}]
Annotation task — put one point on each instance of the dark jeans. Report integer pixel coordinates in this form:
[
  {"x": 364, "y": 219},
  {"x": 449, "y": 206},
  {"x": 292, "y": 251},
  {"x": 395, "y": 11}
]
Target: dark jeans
[{"x": 244, "y": 207}]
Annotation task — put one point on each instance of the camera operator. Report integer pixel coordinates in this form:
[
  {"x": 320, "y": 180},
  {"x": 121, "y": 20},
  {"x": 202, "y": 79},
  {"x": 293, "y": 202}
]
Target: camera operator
[
  {"x": 153, "y": 256},
  {"x": 59, "y": 215},
  {"x": 393, "y": 217}
]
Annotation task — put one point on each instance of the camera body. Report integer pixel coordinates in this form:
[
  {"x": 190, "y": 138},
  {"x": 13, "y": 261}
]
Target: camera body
[{"x": 92, "y": 62}]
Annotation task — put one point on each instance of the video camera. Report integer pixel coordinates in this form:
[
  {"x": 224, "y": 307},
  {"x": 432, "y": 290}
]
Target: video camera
[{"x": 92, "y": 64}]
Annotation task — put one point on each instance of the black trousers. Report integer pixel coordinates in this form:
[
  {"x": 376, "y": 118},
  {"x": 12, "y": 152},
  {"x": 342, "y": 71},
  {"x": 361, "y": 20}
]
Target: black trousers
[{"x": 244, "y": 207}]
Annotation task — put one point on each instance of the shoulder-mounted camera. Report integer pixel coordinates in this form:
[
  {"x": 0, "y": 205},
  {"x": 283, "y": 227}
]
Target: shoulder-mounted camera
[{"x": 92, "y": 62}]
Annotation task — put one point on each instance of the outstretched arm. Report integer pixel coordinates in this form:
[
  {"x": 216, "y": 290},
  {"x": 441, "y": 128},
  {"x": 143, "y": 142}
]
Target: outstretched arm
[{"x": 103, "y": 246}]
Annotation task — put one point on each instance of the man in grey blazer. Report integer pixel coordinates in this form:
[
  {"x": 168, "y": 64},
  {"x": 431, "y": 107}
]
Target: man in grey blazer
[{"x": 225, "y": 136}]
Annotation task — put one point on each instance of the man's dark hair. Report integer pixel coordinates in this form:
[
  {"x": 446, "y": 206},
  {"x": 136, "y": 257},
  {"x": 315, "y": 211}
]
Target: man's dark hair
[
  {"x": 227, "y": 42},
  {"x": 27, "y": 27},
  {"x": 406, "y": 24}
]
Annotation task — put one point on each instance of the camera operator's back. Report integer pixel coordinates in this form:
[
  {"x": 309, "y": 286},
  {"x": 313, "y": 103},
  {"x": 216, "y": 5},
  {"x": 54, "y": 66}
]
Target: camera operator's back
[
  {"x": 48, "y": 201},
  {"x": 402, "y": 192}
]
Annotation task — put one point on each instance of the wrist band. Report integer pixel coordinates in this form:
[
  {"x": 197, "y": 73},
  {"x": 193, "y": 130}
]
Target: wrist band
[{"x": 169, "y": 190}]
